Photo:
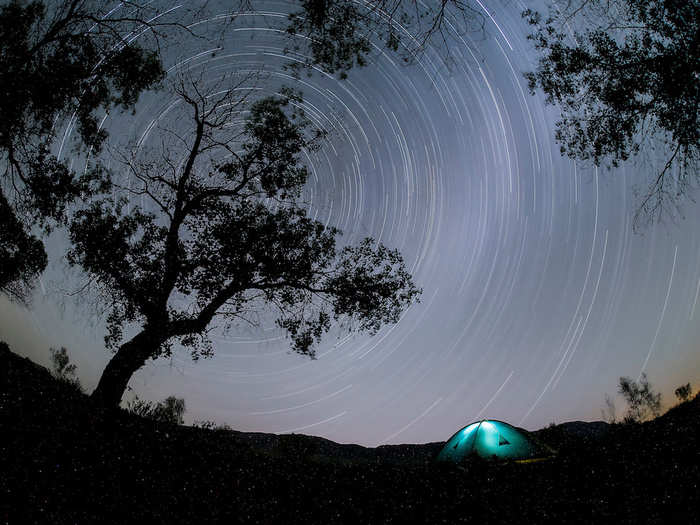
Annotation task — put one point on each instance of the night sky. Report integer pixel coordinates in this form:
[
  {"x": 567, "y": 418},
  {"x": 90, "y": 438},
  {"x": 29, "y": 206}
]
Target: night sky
[{"x": 537, "y": 294}]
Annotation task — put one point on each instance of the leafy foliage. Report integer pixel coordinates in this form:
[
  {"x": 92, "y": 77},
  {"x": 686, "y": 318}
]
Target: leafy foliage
[
  {"x": 683, "y": 392},
  {"x": 229, "y": 239},
  {"x": 339, "y": 33},
  {"x": 630, "y": 80},
  {"x": 642, "y": 402},
  {"x": 338, "y": 41},
  {"x": 52, "y": 63},
  {"x": 170, "y": 410},
  {"x": 208, "y": 424},
  {"x": 63, "y": 369},
  {"x": 23, "y": 256},
  {"x": 57, "y": 60}
]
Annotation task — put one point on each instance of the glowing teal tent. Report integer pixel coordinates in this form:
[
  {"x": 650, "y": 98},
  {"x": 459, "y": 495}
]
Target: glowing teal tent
[{"x": 493, "y": 440}]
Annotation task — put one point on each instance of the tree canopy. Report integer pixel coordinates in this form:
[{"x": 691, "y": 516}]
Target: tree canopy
[
  {"x": 58, "y": 60},
  {"x": 339, "y": 35},
  {"x": 23, "y": 256},
  {"x": 222, "y": 239},
  {"x": 627, "y": 83},
  {"x": 69, "y": 61},
  {"x": 227, "y": 239}
]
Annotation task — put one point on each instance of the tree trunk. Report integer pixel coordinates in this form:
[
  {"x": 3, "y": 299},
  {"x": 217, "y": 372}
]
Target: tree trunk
[{"x": 129, "y": 358}]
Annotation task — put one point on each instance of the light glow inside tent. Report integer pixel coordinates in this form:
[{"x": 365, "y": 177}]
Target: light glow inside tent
[{"x": 489, "y": 439}]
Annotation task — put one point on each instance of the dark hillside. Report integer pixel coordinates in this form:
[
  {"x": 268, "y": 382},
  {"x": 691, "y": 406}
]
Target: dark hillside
[
  {"x": 573, "y": 434},
  {"x": 64, "y": 460},
  {"x": 321, "y": 447}
]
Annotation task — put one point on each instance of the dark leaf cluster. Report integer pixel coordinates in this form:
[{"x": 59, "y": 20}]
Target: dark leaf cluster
[
  {"x": 22, "y": 256},
  {"x": 625, "y": 84},
  {"x": 63, "y": 369},
  {"x": 170, "y": 410},
  {"x": 683, "y": 392},
  {"x": 337, "y": 35},
  {"x": 61, "y": 60},
  {"x": 53, "y": 62},
  {"x": 642, "y": 402},
  {"x": 229, "y": 240}
]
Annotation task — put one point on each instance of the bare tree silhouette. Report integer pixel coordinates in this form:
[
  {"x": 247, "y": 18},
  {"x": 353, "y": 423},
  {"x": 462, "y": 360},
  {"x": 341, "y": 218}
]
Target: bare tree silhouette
[{"x": 225, "y": 234}]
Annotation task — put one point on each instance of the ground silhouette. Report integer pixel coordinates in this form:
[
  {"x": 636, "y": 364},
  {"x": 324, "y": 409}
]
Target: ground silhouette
[{"x": 65, "y": 459}]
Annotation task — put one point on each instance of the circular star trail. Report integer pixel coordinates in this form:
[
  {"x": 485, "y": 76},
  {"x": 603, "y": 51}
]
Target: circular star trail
[{"x": 537, "y": 295}]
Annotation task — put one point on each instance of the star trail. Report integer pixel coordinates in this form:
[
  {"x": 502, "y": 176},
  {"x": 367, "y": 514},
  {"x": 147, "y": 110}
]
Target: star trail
[{"x": 537, "y": 294}]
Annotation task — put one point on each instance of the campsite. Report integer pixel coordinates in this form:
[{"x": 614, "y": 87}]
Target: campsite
[
  {"x": 349, "y": 261},
  {"x": 66, "y": 461}
]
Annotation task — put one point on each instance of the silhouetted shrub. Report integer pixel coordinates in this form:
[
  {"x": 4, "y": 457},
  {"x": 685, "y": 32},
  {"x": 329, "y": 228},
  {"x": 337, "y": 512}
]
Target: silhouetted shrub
[
  {"x": 642, "y": 402},
  {"x": 609, "y": 413},
  {"x": 63, "y": 369},
  {"x": 170, "y": 410},
  {"x": 210, "y": 425},
  {"x": 683, "y": 392}
]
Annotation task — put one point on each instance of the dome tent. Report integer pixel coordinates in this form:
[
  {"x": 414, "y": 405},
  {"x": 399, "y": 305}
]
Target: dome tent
[{"x": 492, "y": 439}]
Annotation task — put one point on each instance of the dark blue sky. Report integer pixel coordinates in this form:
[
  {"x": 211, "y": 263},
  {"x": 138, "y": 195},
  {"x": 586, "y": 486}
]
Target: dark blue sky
[{"x": 537, "y": 294}]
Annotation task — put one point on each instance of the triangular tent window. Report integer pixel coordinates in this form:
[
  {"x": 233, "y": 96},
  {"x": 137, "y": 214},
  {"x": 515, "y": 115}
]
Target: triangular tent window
[{"x": 502, "y": 441}]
